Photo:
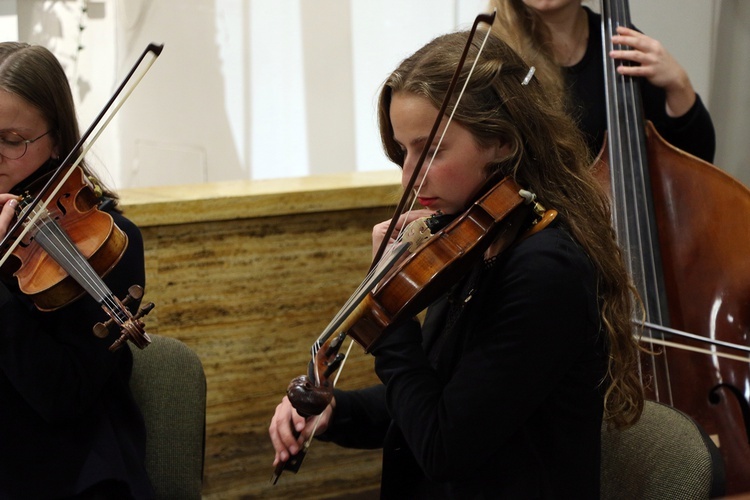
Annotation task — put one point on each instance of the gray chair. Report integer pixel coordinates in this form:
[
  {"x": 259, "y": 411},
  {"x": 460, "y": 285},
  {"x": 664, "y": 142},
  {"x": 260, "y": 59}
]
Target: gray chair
[
  {"x": 665, "y": 455},
  {"x": 169, "y": 384}
]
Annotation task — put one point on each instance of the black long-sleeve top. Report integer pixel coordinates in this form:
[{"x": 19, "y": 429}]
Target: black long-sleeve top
[
  {"x": 68, "y": 419},
  {"x": 693, "y": 132},
  {"x": 499, "y": 393}
]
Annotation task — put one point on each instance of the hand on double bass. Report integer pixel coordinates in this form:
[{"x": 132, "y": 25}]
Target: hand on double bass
[{"x": 656, "y": 64}]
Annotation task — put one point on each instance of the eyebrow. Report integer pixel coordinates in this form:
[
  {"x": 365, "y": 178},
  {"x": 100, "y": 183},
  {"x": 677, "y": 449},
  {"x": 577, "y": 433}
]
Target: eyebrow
[{"x": 416, "y": 142}]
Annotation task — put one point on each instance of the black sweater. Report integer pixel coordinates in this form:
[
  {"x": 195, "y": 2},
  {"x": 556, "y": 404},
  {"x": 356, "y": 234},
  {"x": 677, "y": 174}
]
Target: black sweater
[
  {"x": 692, "y": 132},
  {"x": 68, "y": 419},
  {"x": 497, "y": 396}
]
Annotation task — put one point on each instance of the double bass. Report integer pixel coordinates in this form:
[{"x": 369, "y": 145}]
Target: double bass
[{"x": 683, "y": 226}]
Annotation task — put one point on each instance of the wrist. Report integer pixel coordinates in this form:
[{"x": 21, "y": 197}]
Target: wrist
[{"x": 680, "y": 97}]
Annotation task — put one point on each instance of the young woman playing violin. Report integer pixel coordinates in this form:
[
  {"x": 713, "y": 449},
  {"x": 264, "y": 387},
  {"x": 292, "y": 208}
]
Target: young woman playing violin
[
  {"x": 563, "y": 39},
  {"x": 69, "y": 427},
  {"x": 502, "y": 391}
]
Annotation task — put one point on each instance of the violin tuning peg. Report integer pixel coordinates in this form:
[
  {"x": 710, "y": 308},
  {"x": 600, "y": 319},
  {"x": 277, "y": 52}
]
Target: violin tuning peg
[
  {"x": 333, "y": 365},
  {"x": 101, "y": 330},
  {"x": 135, "y": 292}
]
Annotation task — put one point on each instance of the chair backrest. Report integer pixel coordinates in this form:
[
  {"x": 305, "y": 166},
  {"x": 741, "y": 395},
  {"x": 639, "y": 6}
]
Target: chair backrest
[
  {"x": 665, "y": 455},
  {"x": 169, "y": 384}
]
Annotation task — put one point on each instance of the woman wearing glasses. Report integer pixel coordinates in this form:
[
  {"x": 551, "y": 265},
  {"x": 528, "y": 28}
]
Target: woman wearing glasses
[{"x": 69, "y": 427}]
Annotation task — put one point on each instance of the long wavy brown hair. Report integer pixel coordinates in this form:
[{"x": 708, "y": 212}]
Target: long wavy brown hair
[{"x": 549, "y": 157}]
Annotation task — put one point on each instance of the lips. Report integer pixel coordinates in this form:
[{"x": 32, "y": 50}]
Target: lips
[{"x": 426, "y": 202}]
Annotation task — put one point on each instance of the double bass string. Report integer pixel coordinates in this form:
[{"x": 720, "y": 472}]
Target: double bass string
[{"x": 630, "y": 188}]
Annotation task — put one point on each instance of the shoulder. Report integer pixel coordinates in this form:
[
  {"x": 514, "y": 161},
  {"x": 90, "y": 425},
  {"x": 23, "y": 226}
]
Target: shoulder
[
  {"x": 594, "y": 17},
  {"x": 551, "y": 248},
  {"x": 549, "y": 262},
  {"x": 126, "y": 225}
]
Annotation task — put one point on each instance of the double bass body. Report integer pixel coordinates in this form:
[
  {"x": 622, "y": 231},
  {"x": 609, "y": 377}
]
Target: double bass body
[{"x": 701, "y": 215}]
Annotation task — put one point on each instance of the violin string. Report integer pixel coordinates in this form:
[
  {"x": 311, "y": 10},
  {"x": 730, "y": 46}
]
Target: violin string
[
  {"x": 354, "y": 298},
  {"x": 87, "y": 272},
  {"x": 68, "y": 256},
  {"x": 74, "y": 262}
]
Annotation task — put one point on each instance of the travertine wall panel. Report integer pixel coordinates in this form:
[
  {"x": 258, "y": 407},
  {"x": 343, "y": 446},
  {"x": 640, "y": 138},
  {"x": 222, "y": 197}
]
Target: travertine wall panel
[{"x": 249, "y": 293}]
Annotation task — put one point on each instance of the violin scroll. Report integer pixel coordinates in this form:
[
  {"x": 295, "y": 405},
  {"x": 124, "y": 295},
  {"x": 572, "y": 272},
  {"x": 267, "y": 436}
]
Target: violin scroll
[
  {"x": 310, "y": 394},
  {"x": 307, "y": 398},
  {"x": 131, "y": 329}
]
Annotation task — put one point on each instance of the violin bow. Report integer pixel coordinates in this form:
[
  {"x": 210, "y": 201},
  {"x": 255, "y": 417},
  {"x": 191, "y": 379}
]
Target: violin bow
[{"x": 152, "y": 48}]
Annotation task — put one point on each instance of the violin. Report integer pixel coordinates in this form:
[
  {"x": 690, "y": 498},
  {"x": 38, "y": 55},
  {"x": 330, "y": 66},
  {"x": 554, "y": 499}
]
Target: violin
[
  {"x": 412, "y": 276},
  {"x": 71, "y": 247},
  {"x": 63, "y": 244}
]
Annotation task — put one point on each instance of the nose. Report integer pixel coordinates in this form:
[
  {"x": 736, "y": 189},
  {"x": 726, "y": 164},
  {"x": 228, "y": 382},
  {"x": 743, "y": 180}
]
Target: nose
[{"x": 410, "y": 163}]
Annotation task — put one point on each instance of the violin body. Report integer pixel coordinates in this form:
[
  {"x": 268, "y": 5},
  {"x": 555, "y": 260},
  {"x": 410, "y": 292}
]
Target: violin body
[
  {"x": 95, "y": 234},
  {"x": 441, "y": 261}
]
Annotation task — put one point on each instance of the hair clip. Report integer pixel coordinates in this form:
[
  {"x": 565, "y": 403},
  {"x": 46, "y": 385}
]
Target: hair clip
[{"x": 528, "y": 76}]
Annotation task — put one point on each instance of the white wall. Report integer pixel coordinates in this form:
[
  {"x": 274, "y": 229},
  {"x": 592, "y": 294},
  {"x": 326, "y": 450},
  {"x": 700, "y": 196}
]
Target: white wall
[
  {"x": 730, "y": 95},
  {"x": 254, "y": 89},
  {"x": 8, "y": 20}
]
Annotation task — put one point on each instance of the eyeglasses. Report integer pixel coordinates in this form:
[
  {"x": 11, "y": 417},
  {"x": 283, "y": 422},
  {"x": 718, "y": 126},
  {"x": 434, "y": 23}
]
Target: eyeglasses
[{"x": 13, "y": 146}]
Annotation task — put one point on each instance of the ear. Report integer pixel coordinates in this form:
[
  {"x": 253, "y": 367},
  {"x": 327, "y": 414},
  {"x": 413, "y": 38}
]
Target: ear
[
  {"x": 55, "y": 154},
  {"x": 502, "y": 151}
]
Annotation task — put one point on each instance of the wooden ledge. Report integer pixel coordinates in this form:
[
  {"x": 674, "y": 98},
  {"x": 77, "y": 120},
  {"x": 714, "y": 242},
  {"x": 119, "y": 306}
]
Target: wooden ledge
[{"x": 216, "y": 201}]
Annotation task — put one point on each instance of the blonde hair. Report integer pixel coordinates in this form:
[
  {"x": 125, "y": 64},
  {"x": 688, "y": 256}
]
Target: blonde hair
[
  {"x": 526, "y": 33},
  {"x": 548, "y": 156}
]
